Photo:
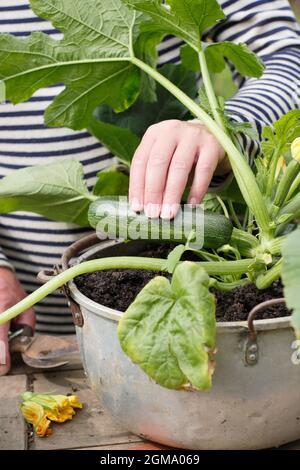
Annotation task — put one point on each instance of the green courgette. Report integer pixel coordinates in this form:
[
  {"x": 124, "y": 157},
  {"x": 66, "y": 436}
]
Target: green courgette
[{"x": 116, "y": 220}]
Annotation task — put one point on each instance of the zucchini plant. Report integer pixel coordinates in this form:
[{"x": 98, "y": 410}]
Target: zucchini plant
[{"x": 170, "y": 328}]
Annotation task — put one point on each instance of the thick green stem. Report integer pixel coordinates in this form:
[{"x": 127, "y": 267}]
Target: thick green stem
[
  {"x": 292, "y": 208},
  {"x": 229, "y": 286},
  {"x": 234, "y": 215},
  {"x": 272, "y": 173},
  {"x": 274, "y": 246},
  {"x": 151, "y": 264},
  {"x": 58, "y": 281},
  {"x": 227, "y": 267},
  {"x": 243, "y": 173},
  {"x": 214, "y": 105},
  {"x": 293, "y": 188},
  {"x": 285, "y": 184},
  {"x": 266, "y": 280},
  {"x": 245, "y": 242}
]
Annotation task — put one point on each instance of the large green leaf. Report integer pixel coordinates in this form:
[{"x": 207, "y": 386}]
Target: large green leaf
[
  {"x": 146, "y": 49},
  {"x": 120, "y": 141},
  {"x": 92, "y": 59},
  {"x": 56, "y": 191},
  {"x": 111, "y": 183},
  {"x": 243, "y": 59},
  {"x": 169, "y": 330},
  {"x": 291, "y": 277},
  {"x": 95, "y": 58},
  {"x": 186, "y": 19},
  {"x": 281, "y": 134},
  {"x": 142, "y": 115}
]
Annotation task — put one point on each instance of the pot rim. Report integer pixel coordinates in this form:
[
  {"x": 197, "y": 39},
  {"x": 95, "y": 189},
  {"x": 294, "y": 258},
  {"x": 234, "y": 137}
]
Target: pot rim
[{"x": 115, "y": 315}]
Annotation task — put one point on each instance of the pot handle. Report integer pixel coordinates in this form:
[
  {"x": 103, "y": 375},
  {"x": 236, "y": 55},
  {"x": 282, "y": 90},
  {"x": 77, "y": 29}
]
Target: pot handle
[
  {"x": 251, "y": 348},
  {"x": 72, "y": 251}
]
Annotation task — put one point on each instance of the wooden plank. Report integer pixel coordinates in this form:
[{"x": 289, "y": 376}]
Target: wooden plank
[
  {"x": 91, "y": 427},
  {"x": 12, "y": 434},
  {"x": 13, "y": 430}
]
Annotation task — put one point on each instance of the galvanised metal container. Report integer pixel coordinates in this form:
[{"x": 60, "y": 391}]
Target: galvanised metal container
[{"x": 254, "y": 402}]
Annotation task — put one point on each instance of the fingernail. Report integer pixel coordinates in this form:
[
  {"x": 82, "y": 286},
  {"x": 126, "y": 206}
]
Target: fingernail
[
  {"x": 136, "y": 206},
  {"x": 169, "y": 211},
  {"x": 2, "y": 352},
  {"x": 152, "y": 210},
  {"x": 193, "y": 202},
  {"x": 4, "y": 363}
]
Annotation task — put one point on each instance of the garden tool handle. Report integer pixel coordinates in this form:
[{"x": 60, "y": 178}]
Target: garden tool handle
[{"x": 20, "y": 338}]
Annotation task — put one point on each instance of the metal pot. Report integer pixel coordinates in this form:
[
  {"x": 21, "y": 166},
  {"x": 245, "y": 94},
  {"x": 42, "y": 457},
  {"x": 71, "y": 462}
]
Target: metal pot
[{"x": 255, "y": 399}]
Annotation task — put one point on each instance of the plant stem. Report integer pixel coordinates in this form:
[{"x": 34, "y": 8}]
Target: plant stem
[
  {"x": 292, "y": 208},
  {"x": 234, "y": 216},
  {"x": 246, "y": 218},
  {"x": 224, "y": 208},
  {"x": 287, "y": 180},
  {"x": 250, "y": 222},
  {"x": 228, "y": 286},
  {"x": 245, "y": 242},
  {"x": 214, "y": 105},
  {"x": 58, "y": 281},
  {"x": 274, "y": 246},
  {"x": 227, "y": 267},
  {"x": 272, "y": 174},
  {"x": 266, "y": 280},
  {"x": 293, "y": 188},
  {"x": 243, "y": 173},
  {"x": 126, "y": 262}
]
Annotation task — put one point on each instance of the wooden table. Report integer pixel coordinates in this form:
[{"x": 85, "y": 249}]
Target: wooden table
[{"x": 91, "y": 429}]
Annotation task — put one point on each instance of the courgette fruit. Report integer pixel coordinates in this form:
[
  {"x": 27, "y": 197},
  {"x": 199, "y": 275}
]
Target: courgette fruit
[{"x": 116, "y": 220}]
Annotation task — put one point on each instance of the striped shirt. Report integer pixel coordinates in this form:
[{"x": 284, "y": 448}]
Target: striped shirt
[{"x": 30, "y": 242}]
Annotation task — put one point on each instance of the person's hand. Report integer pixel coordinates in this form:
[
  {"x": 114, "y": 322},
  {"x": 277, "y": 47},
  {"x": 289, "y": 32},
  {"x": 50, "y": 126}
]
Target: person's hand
[
  {"x": 163, "y": 162},
  {"x": 11, "y": 292}
]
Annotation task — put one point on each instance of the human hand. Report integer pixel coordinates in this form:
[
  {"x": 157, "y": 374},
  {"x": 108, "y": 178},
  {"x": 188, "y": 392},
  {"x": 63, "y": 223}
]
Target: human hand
[
  {"x": 161, "y": 166},
  {"x": 11, "y": 292}
]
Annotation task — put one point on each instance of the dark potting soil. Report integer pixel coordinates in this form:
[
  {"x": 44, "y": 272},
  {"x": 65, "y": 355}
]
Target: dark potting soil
[{"x": 118, "y": 288}]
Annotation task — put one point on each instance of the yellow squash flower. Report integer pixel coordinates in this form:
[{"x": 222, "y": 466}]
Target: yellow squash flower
[
  {"x": 34, "y": 414},
  {"x": 74, "y": 401},
  {"x": 62, "y": 415},
  {"x": 45, "y": 400},
  {"x": 61, "y": 401},
  {"x": 43, "y": 428},
  {"x": 295, "y": 149},
  {"x": 40, "y": 409}
]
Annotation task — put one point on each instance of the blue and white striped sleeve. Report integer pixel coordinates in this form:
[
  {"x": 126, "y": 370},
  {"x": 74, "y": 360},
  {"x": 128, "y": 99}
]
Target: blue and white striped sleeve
[
  {"x": 4, "y": 262},
  {"x": 270, "y": 29}
]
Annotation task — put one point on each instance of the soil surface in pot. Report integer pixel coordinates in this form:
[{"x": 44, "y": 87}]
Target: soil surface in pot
[{"x": 117, "y": 289}]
